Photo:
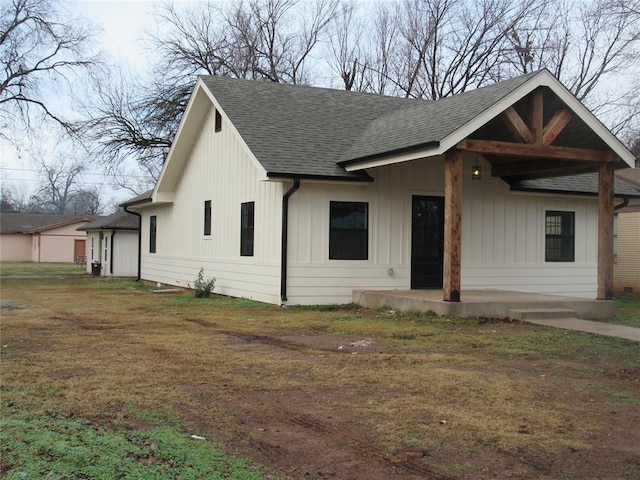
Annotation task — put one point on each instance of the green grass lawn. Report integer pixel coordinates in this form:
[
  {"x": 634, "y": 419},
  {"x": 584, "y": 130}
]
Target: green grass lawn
[
  {"x": 35, "y": 268},
  {"x": 58, "y": 445},
  {"x": 627, "y": 311}
]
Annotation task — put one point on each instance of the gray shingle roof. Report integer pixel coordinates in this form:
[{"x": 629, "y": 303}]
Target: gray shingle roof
[
  {"x": 586, "y": 183},
  {"x": 120, "y": 220},
  {"x": 631, "y": 176},
  {"x": 36, "y": 222},
  {"x": 318, "y": 128},
  {"x": 137, "y": 200},
  {"x": 428, "y": 121}
]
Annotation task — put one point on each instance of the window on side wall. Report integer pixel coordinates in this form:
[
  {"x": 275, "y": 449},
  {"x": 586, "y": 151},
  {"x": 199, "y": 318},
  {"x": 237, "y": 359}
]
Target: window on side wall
[
  {"x": 246, "y": 232},
  {"x": 349, "y": 231},
  {"x": 207, "y": 218},
  {"x": 559, "y": 236},
  {"x": 106, "y": 248},
  {"x": 153, "y": 221}
]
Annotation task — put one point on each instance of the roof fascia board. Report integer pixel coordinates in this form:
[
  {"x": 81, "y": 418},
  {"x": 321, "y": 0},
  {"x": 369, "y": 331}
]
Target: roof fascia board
[
  {"x": 277, "y": 176},
  {"x": 392, "y": 159},
  {"x": 541, "y": 79}
]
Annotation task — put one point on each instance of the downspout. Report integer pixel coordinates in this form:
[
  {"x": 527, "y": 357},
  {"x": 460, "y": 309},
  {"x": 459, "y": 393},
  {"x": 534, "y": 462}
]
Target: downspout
[
  {"x": 113, "y": 234},
  {"x": 126, "y": 209},
  {"x": 285, "y": 223}
]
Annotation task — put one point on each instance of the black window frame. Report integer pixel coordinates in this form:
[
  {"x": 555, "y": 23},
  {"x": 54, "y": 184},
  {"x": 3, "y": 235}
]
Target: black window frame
[
  {"x": 348, "y": 240},
  {"x": 247, "y": 228},
  {"x": 207, "y": 218},
  {"x": 218, "y": 126},
  {"x": 153, "y": 226},
  {"x": 560, "y": 236}
]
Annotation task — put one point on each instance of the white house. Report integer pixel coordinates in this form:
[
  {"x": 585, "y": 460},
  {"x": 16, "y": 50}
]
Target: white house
[
  {"x": 298, "y": 195},
  {"x": 112, "y": 245}
]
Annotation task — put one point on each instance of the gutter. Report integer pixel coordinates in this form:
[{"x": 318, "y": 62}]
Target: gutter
[
  {"x": 285, "y": 223},
  {"x": 126, "y": 209},
  {"x": 625, "y": 202}
]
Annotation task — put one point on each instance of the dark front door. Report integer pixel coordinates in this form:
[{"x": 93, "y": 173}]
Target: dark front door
[{"x": 427, "y": 242}]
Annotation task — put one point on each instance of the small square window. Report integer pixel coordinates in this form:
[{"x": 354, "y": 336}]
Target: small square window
[
  {"x": 559, "y": 236},
  {"x": 207, "y": 217},
  {"x": 152, "y": 233},
  {"x": 348, "y": 231},
  {"x": 246, "y": 232}
]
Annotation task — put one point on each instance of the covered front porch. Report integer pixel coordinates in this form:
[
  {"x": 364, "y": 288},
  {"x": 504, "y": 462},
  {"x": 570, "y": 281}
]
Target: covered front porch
[
  {"x": 539, "y": 132},
  {"x": 486, "y": 304}
]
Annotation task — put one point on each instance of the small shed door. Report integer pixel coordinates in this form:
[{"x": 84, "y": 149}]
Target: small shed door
[
  {"x": 79, "y": 251},
  {"x": 427, "y": 242}
]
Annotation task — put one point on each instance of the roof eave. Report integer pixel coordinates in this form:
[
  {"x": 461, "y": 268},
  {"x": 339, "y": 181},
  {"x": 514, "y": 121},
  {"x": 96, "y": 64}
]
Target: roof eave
[
  {"x": 390, "y": 157},
  {"x": 361, "y": 178},
  {"x": 551, "y": 191}
]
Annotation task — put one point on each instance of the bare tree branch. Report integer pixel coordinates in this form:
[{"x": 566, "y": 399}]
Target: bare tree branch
[{"x": 35, "y": 46}]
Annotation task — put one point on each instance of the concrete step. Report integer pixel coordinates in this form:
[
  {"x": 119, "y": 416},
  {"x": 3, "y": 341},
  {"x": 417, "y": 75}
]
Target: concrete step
[{"x": 540, "y": 313}]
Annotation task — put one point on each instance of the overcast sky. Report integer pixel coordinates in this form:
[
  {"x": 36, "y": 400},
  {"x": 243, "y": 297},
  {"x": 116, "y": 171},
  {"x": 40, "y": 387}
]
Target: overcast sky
[{"x": 122, "y": 24}]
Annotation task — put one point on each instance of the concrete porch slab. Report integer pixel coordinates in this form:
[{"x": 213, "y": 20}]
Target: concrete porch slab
[{"x": 480, "y": 303}]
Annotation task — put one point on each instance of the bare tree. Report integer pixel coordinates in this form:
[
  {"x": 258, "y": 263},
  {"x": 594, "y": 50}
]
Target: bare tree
[
  {"x": 35, "y": 46},
  {"x": 583, "y": 44},
  {"x": 445, "y": 47},
  {"x": 348, "y": 53},
  {"x": 59, "y": 183},
  {"x": 61, "y": 189},
  {"x": 134, "y": 121}
]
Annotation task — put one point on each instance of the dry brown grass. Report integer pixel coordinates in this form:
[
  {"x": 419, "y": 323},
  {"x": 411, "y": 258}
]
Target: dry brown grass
[{"x": 468, "y": 393}]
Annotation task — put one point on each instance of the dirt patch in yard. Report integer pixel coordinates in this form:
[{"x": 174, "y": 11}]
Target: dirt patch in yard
[
  {"x": 312, "y": 435},
  {"x": 331, "y": 395}
]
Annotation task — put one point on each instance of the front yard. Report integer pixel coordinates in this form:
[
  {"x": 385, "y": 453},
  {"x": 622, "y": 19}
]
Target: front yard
[{"x": 96, "y": 364}]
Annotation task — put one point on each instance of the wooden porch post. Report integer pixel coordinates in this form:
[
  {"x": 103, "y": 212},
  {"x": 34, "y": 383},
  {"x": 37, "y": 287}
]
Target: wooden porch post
[
  {"x": 605, "y": 232},
  {"x": 452, "y": 224}
]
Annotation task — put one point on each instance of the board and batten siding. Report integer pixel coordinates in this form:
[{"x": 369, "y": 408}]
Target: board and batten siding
[
  {"x": 502, "y": 247},
  {"x": 219, "y": 169},
  {"x": 626, "y": 271}
]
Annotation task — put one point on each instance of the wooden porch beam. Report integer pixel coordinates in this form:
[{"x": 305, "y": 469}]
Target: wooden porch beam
[
  {"x": 492, "y": 147},
  {"x": 540, "y": 168},
  {"x": 556, "y": 125},
  {"x": 516, "y": 125},
  {"x": 537, "y": 116},
  {"x": 452, "y": 224},
  {"x": 605, "y": 232}
]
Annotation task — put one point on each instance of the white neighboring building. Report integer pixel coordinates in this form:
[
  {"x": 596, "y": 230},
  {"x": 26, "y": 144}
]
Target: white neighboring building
[
  {"x": 298, "y": 195},
  {"x": 112, "y": 245}
]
